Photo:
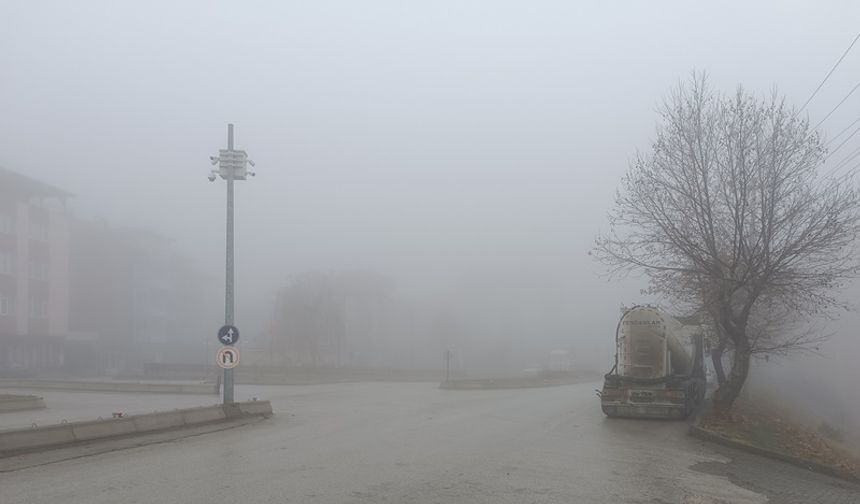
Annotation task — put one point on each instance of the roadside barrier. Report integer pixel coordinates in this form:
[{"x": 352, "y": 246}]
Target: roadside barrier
[
  {"x": 64, "y": 434},
  {"x": 111, "y": 386}
]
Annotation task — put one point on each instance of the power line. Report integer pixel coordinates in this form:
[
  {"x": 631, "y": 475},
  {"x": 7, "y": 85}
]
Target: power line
[
  {"x": 843, "y": 131},
  {"x": 829, "y": 73},
  {"x": 832, "y": 172},
  {"x": 850, "y": 157},
  {"x": 843, "y": 143},
  {"x": 837, "y": 105},
  {"x": 850, "y": 173}
]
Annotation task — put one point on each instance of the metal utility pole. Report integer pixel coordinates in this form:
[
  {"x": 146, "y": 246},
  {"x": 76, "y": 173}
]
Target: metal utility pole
[
  {"x": 228, "y": 289},
  {"x": 448, "y": 355},
  {"x": 232, "y": 166}
]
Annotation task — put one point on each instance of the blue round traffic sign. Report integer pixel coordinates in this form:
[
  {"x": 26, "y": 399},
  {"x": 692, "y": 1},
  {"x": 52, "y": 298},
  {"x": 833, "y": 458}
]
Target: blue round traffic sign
[{"x": 228, "y": 335}]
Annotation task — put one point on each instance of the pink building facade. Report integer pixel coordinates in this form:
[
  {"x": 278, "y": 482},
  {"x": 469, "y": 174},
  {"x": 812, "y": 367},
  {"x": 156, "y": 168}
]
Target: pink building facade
[{"x": 34, "y": 274}]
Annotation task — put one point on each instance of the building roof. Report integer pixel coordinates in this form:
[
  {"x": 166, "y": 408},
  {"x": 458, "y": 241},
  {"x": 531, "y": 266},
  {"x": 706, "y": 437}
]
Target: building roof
[{"x": 15, "y": 183}]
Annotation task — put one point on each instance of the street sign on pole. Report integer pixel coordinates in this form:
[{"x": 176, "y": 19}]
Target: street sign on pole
[
  {"x": 227, "y": 357},
  {"x": 232, "y": 166},
  {"x": 228, "y": 335}
]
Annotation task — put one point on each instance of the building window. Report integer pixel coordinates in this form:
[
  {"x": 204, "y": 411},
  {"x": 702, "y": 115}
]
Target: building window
[
  {"x": 7, "y": 223},
  {"x": 7, "y": 305},
  {"x": 7, "y": 263},
  {"x": 38, "y": 269},
  {"x": 38, "y": 307}
]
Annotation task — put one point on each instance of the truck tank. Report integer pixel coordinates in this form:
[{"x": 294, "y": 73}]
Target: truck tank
[
  {"x": 654, "y": 375},
  {"x": 649, "y": 345}
]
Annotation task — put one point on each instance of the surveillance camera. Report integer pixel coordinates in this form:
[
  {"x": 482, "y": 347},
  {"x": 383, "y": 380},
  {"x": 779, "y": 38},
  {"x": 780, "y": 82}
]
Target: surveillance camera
[
  {"x": 251, "y": 163},
  {"x": 211, "y": 177},
  {"x": 253, "y": 174},
  {"x": 214, "y": 160}
]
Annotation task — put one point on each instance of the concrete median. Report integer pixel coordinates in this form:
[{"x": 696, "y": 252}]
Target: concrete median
[
  {"x": 253, "y": 408},
  {"x": 54, "y": 436},
  {"x": 158, "y": 421},
  {"x": 204, "y": 415},
  {"x": 30, "y": 439},
  {"x": 10, "y": 402},
  {"x": 111, "y": 386},
  {"x": 85, "y": 431}
]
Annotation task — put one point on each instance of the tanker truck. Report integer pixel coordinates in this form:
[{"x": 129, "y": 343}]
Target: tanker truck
[{"x": 659, "y": 367}]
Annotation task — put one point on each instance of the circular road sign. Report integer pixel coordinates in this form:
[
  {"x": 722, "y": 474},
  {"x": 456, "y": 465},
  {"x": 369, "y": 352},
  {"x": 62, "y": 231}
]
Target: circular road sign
[
  {"x": 228, "y": 335},
  {"x": 227, "y": 357}
]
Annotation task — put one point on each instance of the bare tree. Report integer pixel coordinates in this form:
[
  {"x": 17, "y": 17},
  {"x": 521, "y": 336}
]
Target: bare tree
[
  {"x": 773, "y": 329},
  {"x": 728, "y": 216}
]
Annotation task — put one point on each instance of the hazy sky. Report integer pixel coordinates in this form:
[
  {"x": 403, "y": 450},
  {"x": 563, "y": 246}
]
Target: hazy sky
[{"x": 423, "y": 140}]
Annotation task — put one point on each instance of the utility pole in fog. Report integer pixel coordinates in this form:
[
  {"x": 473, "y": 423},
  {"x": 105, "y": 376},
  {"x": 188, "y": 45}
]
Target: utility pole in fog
[
  {"x": 448, "y": 355},
  {"x": 232, "y": 166}
]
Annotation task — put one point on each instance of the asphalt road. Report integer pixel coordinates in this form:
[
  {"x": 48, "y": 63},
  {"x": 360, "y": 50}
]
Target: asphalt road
[{"x": 415, "y": 443}]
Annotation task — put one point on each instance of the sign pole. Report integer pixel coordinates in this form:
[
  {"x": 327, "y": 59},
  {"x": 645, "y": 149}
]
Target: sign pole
[
  {"x": 232, "y": 166},
  {"x": 447, "y": 364},
  {"x": 229, "y": 298}
]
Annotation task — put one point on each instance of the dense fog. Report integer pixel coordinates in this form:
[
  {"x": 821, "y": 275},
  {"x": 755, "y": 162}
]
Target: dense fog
[{"x": 430, "y": 176}]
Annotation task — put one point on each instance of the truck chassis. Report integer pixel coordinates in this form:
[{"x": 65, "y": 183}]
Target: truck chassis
[{"x": 673, "y": 397}]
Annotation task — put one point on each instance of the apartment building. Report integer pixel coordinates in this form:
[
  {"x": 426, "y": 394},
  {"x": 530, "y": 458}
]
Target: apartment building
[
  {"x": 140, "y": 300},
  {"x": 34, "y": 273}
]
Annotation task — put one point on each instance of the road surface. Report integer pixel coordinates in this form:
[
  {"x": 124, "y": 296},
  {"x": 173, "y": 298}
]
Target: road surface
[{"x": 415, "y": 443}]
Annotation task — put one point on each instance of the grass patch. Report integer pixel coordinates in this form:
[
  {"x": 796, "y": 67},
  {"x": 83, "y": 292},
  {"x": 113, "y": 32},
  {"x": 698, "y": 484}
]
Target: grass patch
[{"x": 767, "y": 427}]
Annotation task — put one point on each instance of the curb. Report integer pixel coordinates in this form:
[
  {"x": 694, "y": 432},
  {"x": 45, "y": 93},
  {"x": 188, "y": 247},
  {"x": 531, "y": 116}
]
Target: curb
[
  {"x": 705, "y": 435},
  {"x": 48, "y": 437}
]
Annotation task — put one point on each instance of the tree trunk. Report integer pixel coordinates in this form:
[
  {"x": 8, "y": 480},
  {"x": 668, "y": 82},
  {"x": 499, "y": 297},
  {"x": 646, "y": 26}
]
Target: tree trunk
[
  {"x": 729, "y": 390},
  {"x": 717, "y": 359}
]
